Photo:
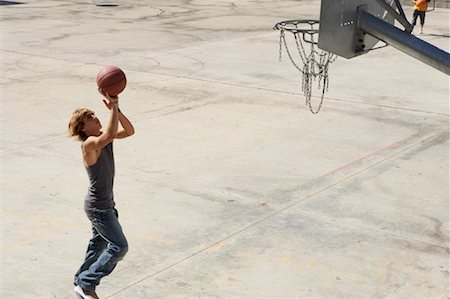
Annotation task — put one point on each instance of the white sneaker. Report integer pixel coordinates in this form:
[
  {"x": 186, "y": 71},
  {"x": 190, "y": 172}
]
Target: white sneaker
[
  {"x": 83, "y": 294},
  {"x": 77, "y": 295},
  {"x": 420, "y": 31}
]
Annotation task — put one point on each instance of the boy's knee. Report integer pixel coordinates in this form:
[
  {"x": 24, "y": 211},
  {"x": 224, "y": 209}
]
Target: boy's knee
[
  {"x": 122, "y": 252},
  {"x": 119, "y": 251}
]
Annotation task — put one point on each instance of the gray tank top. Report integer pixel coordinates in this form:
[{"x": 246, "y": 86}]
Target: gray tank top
[{"x": 101, "y": 179}]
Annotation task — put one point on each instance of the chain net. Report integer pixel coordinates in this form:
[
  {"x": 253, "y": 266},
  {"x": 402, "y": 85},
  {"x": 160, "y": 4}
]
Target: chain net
[{"x": 313, "y": 65}]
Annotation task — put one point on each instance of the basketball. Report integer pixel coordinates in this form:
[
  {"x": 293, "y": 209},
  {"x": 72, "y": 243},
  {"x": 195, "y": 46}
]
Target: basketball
[{"x": 112, "y": 80}]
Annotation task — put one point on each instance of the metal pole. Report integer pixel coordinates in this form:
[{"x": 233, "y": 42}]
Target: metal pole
[{"x": 404, "y": 42}]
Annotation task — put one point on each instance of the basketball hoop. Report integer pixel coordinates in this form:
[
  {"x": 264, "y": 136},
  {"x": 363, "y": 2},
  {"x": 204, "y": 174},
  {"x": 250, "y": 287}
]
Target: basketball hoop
[{"x": 314, "y": 64}]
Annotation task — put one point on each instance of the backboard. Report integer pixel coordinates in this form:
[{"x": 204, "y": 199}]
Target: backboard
[{"x": 338, "y": 31}]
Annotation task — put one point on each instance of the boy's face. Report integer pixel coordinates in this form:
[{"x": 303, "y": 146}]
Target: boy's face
[{"x": 92, "y": 124}]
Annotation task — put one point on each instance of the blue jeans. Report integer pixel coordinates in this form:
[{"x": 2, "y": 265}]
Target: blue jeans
[{"x": 106, "y": 248}]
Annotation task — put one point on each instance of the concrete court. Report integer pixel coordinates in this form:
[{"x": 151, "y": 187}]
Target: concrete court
[{"x": 230, "y": 188}]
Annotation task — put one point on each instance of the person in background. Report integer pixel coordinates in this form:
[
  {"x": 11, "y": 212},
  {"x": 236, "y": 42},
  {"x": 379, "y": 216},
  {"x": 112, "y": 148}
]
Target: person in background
[{"x": 420, "y": 9}]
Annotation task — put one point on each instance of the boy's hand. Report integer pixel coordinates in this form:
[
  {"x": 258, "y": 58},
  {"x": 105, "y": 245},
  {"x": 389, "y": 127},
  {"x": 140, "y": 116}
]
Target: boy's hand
[{"x": 110, "y": 101}]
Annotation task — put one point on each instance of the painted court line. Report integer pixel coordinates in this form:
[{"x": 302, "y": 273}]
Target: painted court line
[{"x": 393, "y": 145}]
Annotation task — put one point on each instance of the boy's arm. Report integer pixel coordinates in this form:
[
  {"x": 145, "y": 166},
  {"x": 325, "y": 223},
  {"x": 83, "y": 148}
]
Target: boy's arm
[
  {"x": 127, "y": 128},
  {"x": 98, "y": 142}
]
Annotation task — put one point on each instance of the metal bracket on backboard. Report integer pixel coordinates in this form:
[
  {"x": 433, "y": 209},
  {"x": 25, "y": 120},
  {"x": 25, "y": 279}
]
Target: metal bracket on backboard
[
  {"x": 359, "y": 42},
  {"x": 399, "y": 16}
]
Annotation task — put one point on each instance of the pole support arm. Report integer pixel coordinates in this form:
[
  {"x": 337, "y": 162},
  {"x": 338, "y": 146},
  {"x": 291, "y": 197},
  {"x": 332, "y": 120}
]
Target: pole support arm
[{"x": 404, "y": 41}]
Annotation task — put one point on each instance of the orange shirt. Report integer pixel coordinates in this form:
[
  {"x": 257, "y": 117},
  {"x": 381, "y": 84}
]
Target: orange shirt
[{"x": 421, "y": 5}]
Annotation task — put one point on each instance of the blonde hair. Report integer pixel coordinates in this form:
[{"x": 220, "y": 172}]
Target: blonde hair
[{"x": 76, "y": 123}]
